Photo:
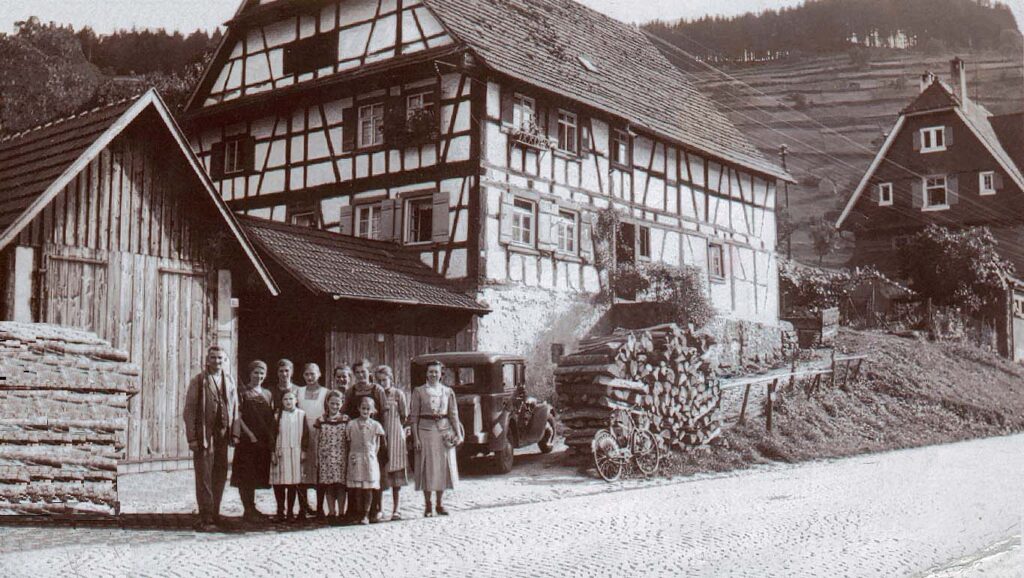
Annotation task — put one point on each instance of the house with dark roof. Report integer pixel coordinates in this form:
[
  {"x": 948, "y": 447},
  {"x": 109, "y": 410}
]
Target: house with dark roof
[
  {"x": 110, "y": 224},
  {"x": 946, "y": 161},
  {"x": 479, "y": 138}
]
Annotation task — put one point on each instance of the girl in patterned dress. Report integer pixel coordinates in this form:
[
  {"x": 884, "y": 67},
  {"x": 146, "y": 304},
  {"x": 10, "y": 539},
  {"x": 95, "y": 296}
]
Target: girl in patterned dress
[
  {"x": 393, "y": 417},
  {"x": 286, "y": 461},
  {"x": 365, "y": 441},
  {"x": 332, "y": 456}
]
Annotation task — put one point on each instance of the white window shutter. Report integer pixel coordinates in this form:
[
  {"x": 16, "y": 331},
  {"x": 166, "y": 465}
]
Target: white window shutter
[
  {"x": 952, "y": 190},
  {"x": 917, "y": 193},
  {"x": 545, "y": 236},
  {"x": 997, "y": 181},
  {"x": 387, "y": 220},
  {"x": 917, "y": 140},
  {"x": 505, "y": 228},
  {"x": 439, "y": 213},
  {"x": 345, "y": 221},
  {"x": 586, "y": 243}
]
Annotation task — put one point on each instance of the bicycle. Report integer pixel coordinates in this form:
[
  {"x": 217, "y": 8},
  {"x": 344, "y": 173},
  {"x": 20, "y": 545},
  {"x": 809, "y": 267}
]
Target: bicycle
[{"x": 626, "y": 440}]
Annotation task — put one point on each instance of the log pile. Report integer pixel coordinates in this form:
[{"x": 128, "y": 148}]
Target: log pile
[
  {"x": 63, "y": 420},
  {"x": 665, "y": 370}
]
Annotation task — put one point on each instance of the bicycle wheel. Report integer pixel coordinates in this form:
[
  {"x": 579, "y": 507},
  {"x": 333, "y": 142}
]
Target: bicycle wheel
[
  {"x": 606, "y": 456},
  {"x": 646, "y": 452}
]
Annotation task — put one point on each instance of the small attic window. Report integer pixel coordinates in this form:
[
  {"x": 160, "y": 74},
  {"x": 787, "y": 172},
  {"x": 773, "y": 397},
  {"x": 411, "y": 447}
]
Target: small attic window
[{"x": 590, "y": 66}]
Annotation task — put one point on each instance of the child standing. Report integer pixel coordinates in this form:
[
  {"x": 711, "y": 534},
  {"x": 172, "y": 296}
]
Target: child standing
[
  {"x": 286, "y": 461},
  {"x": 332, "y": 456},
  {"x": 394, "y": 416},
  {"x": 365, "y": 441}
]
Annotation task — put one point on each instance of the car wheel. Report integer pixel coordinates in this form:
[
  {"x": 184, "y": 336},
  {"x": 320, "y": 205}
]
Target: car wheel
[
  {"x": 547, "y": 440},
  {"x": 503, "y": 459}
]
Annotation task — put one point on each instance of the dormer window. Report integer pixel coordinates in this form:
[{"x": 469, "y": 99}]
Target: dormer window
[
  {"x": 933, "y": 139},
  {"x": 884, "y": 194}
]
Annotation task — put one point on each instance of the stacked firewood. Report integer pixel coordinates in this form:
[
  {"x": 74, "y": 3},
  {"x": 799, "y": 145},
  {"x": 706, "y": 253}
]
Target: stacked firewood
[
  {"x": 63, "y": 420},
  {"x": 665, "y": 370}
]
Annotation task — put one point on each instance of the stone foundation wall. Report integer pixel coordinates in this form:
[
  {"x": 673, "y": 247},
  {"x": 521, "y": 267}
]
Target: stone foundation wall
[{"x": 740, "y": 343}]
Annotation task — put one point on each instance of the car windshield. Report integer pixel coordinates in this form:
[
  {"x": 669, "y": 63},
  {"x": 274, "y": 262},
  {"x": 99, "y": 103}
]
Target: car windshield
[{"x": 464, "y": 378}]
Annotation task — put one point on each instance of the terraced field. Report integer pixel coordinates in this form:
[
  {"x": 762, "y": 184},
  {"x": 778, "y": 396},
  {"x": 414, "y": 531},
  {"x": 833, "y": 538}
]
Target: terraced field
[{"x": 833, "y": 114}]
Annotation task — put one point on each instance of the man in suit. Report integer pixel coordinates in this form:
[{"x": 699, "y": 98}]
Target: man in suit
[{"x": 211, "y": 414}]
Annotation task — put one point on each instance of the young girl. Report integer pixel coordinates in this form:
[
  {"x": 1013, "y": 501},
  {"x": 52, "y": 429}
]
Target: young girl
[
  {"x": 286, "y": 461},
  {"x": 333, "y": 456},
  {"x": 365, "y": 441},
  {"x": 393, "y": 417}
]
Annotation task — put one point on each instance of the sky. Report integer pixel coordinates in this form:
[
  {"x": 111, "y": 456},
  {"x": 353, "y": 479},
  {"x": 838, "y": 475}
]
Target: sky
[{"x": 187, "y": 15}]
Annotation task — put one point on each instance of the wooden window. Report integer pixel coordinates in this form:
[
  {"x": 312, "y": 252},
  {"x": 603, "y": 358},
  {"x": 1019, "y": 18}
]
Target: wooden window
[
  {"x": 368, "y": 221},
  {"x": 643, "y": 242},
  {"x": 933, "y": 139},
  {"x": 568, "y": 132},
  {"x": 310, "y": 54},
  {"x": 566, "y": 229},
  {"x": 305, "y": 219},
  {"x": 232, "y": 157},
  {"x": 419, "y": 220},
  {"x": 371, "y": 125},
  {"x": 935, "y": 197},
  {"x": 233, "y": 162},
  {"x": 716, "y": 261},
  {"x": 524, "y": 112},
  {"x": 987, "y": 182},
  {"x": 619, "y": 148},
  {"x": 523, "y": 221},
  {"x": 885, "y": 194},
  {"x": 417, "y": 102}
]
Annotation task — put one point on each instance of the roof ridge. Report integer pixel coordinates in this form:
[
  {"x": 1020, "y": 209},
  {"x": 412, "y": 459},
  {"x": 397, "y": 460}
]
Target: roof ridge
[{"x": 71, "y": 117}]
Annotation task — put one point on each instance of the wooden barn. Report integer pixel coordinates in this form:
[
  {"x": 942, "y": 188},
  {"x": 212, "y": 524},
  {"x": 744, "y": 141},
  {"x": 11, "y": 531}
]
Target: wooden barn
[{"x": 108, "y": 223}]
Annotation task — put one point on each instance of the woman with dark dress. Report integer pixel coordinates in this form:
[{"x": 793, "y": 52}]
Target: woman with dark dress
[{"x": 250, "y": 470}]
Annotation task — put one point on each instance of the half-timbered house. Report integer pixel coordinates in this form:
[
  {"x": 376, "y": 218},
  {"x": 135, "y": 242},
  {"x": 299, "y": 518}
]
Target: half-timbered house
[
  {"x": 108, "y": 223},
  {"x": 483, "y": 136}
]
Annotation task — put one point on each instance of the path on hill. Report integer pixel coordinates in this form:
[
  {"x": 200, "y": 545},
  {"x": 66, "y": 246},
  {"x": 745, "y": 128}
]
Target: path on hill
[{"x": 909, "y": 512}]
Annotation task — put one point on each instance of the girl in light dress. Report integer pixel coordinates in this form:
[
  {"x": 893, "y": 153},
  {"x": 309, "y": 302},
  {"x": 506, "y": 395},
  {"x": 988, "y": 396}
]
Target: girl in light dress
[
  {"x": 333, "y": 456},
  {"x": 286, "y": 461},
  {"x": 366, "y": 440},
  {"x": 394, "y": 416}
]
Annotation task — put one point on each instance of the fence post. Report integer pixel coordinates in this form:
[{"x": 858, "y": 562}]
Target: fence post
[
  {"x": 770, "y": 405},
  {"x": 832, "y": 378},
  {"x": 743, "y": 408}
]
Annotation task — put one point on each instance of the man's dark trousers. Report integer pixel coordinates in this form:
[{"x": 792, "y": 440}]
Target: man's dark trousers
[{"x": 211, "y": 467}]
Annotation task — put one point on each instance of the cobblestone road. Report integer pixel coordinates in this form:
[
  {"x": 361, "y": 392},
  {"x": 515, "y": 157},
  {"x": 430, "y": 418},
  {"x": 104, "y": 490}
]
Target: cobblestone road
[{"x": 903, "y": 513}]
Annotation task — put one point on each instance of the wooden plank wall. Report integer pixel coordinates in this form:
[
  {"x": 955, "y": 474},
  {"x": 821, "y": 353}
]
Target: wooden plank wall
[
  {"x": 395, "y": 350},
  {"x": 122, "y": 256}
]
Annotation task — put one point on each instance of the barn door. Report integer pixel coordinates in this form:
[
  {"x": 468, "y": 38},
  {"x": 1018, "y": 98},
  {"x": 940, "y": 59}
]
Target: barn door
[{"x": 75, "y": 293}]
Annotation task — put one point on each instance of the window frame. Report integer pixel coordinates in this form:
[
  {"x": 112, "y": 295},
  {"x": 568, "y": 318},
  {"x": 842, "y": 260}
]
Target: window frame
[
  {"x": 310, "y": 213},
  {"x": 376, "y": 125},
  {"x": 929, "y": 134},
  {"x": 568, "y": 129},
  {"x": 424, "y": 105},
  {"x": 374, "y": 210},
  {"x": 982, "y": 189},
  {"x": 234, "y": 145},
  {"x": 519, "y": 101},
  {"x": 613, "y": 149},
  {"x": 643, "y": 243},
  {"x": 407, "y": 233},
  {"x": 926, "y": 204},
  {"x": 885, "y": 200},
  {"x": 567, "y": 221},
  {"x": 719, "y": 249},
  {"x": 521, "y": 208}
]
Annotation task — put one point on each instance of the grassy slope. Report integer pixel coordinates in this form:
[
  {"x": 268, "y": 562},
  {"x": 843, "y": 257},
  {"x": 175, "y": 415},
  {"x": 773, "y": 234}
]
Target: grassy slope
[
  {"x": 861, "y": 103},
  {"x": 912, "y": 393}
]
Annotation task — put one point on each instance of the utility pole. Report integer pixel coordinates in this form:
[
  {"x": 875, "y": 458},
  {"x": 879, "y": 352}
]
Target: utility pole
[{"x": 783, "y": 149}]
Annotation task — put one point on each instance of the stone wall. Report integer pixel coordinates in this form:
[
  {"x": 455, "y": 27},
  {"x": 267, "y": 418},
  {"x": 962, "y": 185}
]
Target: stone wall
[
  {"x": 743, "y": 343},
  {"x": 63, "y": 420}
]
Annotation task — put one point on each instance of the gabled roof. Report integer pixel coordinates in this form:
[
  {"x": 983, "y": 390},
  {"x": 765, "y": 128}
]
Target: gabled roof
[
  {"x": 541, "y": 41},
  {"x": 345, "y": 267},
  {"x": 576, "y": 52},
  {"x": 940, "y": 97},
  {"x": 37, "y": 164}
]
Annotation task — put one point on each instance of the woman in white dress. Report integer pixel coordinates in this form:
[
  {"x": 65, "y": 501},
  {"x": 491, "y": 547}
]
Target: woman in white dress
[
  {"x": 434, "y": 415},
  {"x": 311, "y": 399}
]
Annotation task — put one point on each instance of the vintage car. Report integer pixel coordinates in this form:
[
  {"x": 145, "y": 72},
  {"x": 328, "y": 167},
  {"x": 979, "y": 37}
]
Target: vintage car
[{"x": 497, "y": 414}]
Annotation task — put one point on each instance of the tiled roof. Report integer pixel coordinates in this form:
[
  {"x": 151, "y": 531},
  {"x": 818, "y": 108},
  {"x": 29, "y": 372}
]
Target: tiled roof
[
  {"x": 30, "y": 161},
  {"x": 348, "y": 267},
  {"x": 540, "y": 42},
  {"x": 937, "y": 95},
  {"x": 981, "y": 121}
]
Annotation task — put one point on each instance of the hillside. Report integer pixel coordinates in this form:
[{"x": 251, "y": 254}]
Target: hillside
[{"x": 832, "y": 112}]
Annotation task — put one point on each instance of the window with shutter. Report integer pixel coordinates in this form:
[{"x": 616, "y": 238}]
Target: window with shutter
[
  {"x": 643, "y": 242},
  {"x": 884, "y": 194},
  {"x": 987, "y": 183},
  {"x": 371, "y": 125},
  {"x": 368, "y": 221},
  {"x": 565, "y": 229},
  {"x": 419, "y": 216},
  {"x": 568, "y": 132},
  {"x": 935, "y": 193},
  {"x": 620, "y": 148},
  {"x": 523, "y": 221},
  {"x": 345, "y": 220},
  {"x": 933, "y": 139},
  {"x": 441, "y": 213}
]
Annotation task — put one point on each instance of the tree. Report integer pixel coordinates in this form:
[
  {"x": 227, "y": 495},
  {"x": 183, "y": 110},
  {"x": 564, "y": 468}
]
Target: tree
[
  {"x": 824, "y": 238},
  {"x": 957, "y": 267}
]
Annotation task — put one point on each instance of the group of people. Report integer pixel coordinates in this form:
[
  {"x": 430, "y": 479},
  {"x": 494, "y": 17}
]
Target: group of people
[{"x": 346, "y": 440}]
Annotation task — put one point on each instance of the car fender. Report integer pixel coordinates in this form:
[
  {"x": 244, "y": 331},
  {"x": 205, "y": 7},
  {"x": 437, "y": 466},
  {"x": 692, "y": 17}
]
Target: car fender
[
  {"x": 499, "y": 434},
  {"x": 538, "y": 421}
]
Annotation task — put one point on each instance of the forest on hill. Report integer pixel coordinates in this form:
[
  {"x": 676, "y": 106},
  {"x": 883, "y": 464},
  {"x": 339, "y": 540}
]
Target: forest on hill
[
  {"x": 820, "y": 27},
  {"x": 48, "y": 71}
]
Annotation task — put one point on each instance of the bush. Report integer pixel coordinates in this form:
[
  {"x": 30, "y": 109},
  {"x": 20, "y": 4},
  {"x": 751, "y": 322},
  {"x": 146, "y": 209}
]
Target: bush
[{"x": 680, "y": 289}]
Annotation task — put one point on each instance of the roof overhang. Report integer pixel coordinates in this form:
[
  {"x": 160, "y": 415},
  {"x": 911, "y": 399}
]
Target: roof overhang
[
  {"x": 149, "y": 99},
  {"x": 875, "y": 163}
]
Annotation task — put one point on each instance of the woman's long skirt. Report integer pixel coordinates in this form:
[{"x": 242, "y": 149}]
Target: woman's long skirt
[{"x": 436, "y": 469}]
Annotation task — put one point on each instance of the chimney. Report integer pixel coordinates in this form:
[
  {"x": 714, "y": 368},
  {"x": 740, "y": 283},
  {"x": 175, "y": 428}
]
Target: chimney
[
  {"x": 926, "y": 80},
  {"x": 958, "y": 78}
]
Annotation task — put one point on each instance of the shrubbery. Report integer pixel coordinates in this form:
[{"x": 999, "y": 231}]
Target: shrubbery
[{"x": 680, "y": 289}]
